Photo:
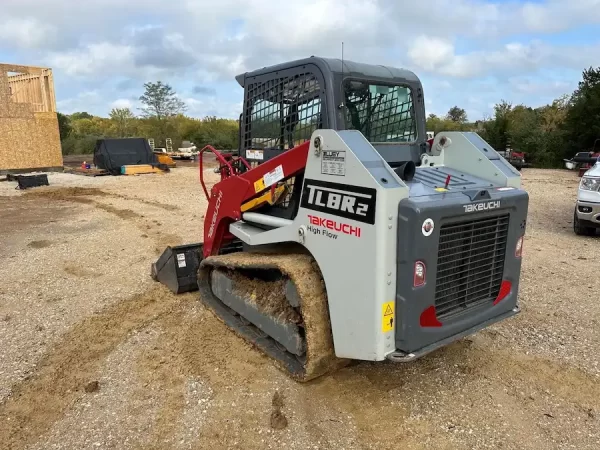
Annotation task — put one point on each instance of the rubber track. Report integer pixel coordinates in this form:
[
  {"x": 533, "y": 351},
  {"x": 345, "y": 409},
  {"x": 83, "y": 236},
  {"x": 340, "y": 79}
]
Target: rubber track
[{"x": 304, "y": 273}]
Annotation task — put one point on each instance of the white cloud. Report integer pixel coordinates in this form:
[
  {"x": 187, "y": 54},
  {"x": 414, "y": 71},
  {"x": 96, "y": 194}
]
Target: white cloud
[
  {"x": 212, "y": 107},
  {"x": 25, "y": 33},
  {"x": 122, "y": 103},
  {"x": 559, "y": 15},
  {"x": 203, "y": 42},
  {"x": 100, "y": 58},
  {"x": 439, "y": 56},
  {"x": 430, "y": 53},
  {"x": 312, "y": 21},
  {"x": 527, "y": 85},
  {"x": 224, "y": 38},
  {"x": 90, "y": 101}
]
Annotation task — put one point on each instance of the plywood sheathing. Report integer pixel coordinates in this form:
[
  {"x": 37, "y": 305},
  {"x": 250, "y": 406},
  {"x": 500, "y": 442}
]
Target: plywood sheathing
[{"x": 29, "y": 136}]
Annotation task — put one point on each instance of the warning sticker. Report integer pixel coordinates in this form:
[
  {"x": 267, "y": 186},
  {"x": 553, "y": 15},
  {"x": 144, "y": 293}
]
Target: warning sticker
[
  {"x": 259, "y": 185},
  {"x": 254, "y": 154},
  {"x": 333, "y": 162},
  {"x": 387, "y": 319},
  {"x": 273, "y": 176},
  {"x": 181, "y": 259}
]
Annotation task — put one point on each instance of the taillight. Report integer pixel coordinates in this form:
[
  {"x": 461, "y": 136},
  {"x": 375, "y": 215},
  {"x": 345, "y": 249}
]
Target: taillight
[
  {"x": 419, "y": 276},
  {"x": 519, "y": 248},
  {"x": 505, "y": 289},
  {"x": 428, "y": 318}
]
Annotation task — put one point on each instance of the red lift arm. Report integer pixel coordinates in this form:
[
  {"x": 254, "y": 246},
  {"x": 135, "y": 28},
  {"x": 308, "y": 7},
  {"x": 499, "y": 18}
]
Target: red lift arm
[{"x": 228, "y": 195}]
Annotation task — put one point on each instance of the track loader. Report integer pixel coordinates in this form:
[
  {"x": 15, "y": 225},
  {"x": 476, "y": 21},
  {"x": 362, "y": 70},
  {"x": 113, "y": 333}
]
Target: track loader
[{"x": 339, "y": 232}]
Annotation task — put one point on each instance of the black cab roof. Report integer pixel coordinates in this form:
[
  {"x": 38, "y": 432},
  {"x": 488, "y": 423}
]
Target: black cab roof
[{"x": 334, "y": 66}]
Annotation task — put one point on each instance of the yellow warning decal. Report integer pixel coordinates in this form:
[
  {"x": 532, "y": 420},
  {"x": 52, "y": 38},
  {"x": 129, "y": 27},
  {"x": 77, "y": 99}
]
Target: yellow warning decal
[
  {"x": 259, "y": 185},
  {"x": 387, "y": 320},
  {"x": 441, "y": 189}
]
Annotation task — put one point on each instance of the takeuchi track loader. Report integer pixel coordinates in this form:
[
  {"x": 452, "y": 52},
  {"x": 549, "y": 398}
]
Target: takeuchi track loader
[{"x": 339, "y": 232}]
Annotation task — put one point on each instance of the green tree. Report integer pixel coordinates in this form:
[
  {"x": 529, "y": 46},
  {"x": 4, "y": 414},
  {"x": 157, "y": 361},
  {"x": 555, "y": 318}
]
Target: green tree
[
  {"x": 79, "y": 145},
  {"x": 220, "y": 133},
  {"x": 536, "y": 132},
  {"x": 438, "y": 125},
  {"x": 161, "y": 104},
  {"x": 456, "y": 114},
  {"x": 122, "y": 118},
  {"x": 64, "y": 126},
  {"x": 96, "y": 126},
  {"x": 582, "y": 122},
  {"x": 161, "y": 101},
  {"x": 495, "y": 131},
  {"x": 81, "y": 115}
]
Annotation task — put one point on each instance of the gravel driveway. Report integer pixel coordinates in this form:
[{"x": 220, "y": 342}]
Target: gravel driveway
[{"x": 96, "y": 355}]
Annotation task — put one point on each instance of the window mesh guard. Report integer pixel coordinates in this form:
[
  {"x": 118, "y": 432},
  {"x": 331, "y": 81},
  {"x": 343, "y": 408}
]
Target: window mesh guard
[
  {"x": 282, "y": 113},
  {"x": 381, "y": 114}
]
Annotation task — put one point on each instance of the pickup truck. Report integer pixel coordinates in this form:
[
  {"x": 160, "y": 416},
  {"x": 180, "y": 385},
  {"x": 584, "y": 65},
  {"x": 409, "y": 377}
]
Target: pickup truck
[
  {"x": 516, "y": 159},
  {"x": 184, "y": 153},
  {"x": 181, "y": 153},
  {"x": 586, "y": 217}
]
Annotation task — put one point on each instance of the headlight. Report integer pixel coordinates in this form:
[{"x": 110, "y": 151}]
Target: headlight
[{"x": 589, "y": 184}]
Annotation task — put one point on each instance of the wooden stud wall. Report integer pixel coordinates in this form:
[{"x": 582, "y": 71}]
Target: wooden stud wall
[{"x": 29, "y": 136}]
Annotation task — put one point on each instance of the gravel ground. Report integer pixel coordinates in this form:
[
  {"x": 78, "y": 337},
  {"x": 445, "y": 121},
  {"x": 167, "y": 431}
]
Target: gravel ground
[{"x": 95, "y": 355}]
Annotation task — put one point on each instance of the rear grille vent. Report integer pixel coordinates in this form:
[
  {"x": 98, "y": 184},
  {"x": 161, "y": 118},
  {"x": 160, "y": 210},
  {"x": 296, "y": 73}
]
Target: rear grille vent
[{"x": 470, "y": 264}]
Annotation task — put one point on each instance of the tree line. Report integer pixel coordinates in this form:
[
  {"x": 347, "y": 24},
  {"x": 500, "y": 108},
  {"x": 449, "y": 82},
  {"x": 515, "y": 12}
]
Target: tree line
[
  {"x": 546, "y": 134},
  {"x": 161, "y": 117}
]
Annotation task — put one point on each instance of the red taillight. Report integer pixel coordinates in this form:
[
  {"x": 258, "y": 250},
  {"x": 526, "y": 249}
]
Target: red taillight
[
  {"x": 419, "y": 275},
  {"x": 428, "y": 318},
  {"x": 519, "y": 248},
  {"x": 505, "y": 289}
]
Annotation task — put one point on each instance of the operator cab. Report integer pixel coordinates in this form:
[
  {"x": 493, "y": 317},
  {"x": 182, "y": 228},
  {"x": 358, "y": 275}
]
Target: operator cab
[{"x": 286, "y": 103}]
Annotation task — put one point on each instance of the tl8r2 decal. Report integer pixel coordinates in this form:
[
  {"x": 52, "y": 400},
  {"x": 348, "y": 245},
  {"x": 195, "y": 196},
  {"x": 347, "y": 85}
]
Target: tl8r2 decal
[{"x": 342, "y": 200}]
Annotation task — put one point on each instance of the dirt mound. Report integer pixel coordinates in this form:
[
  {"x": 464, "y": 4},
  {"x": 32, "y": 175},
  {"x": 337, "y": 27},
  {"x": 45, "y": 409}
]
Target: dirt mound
[
  {"x": 122, "y": 213},
  {"x": 40, "y": 244},
  {"x": 79, "y": 194},
  {"x": 66, "y": 193},
  {"x": 79, "y": 271}
]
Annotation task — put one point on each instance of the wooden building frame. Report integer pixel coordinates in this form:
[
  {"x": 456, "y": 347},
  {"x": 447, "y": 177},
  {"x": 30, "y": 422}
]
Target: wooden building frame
[{"x": 29, "y": 134}]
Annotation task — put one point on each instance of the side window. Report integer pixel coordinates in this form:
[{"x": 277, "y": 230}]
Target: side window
[
  {"x": 380, "y": 113},
  {"x": 282, "y": 112}
]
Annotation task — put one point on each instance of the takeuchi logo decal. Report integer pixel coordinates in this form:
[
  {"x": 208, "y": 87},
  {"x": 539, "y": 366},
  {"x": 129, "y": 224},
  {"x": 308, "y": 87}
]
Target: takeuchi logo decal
[
  {"x": 334, "y": 225},
  {"x": 485, "y": 206},
  {"x": 213, "y": 221}
]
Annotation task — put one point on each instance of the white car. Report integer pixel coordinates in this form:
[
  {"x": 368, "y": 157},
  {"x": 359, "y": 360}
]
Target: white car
[{"x": 586, "y": 217}]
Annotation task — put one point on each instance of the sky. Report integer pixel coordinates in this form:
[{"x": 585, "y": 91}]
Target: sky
[{"x": 469, "y": 53}]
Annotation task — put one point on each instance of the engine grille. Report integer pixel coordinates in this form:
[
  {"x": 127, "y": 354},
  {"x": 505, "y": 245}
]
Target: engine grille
[{"x": 470, "y": 264}]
